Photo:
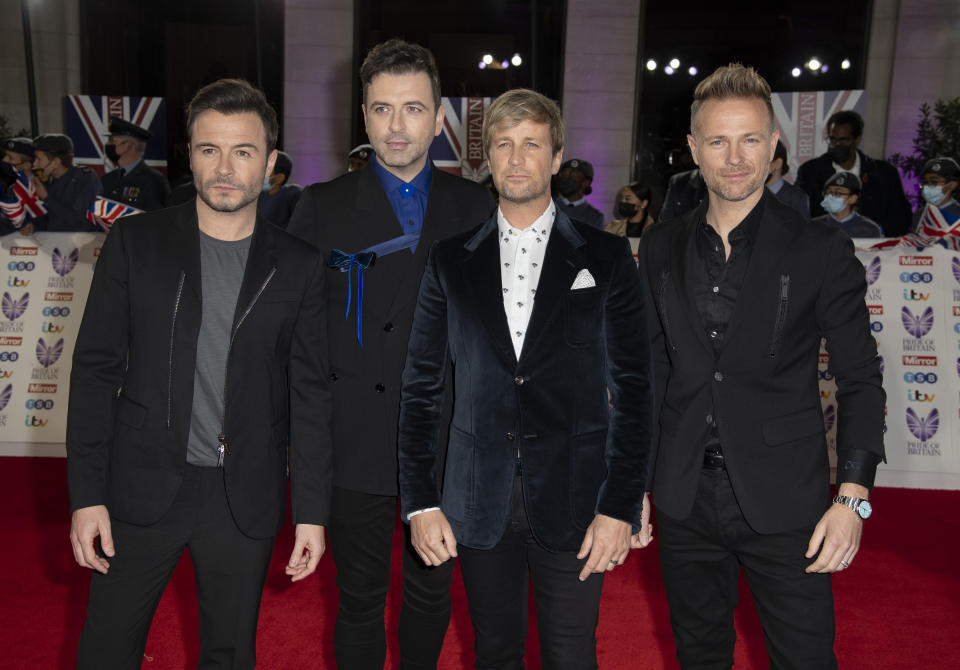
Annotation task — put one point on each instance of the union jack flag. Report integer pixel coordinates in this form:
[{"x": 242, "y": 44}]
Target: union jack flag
[
  {"x": 88, "y": 121},
  {"x": 935, "y": 227},
  {"x": 459, "y": 148},
  {"x": 23, "y": 206},
  {"x": 104, "y": 212},
  {"x": 802, "y": 119}
]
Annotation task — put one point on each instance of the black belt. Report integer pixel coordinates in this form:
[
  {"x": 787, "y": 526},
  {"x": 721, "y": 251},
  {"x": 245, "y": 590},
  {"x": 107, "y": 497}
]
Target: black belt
[{"x": 712, "y": 460}]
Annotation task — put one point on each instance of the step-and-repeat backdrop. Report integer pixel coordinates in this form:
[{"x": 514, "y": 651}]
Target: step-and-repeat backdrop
[{"x": 913, "y": 297}]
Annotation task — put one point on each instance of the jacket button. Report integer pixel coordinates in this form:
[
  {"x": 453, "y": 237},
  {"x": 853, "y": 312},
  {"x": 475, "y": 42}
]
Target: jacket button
[
  {"x": 380, "y": 388},
  {"x": 718, "y": 376},
  {"x": 510, "y": 437},
  {"x": 519, "y": 380},
  {"x": 388, "y": 327},
  {"x": 710, "y": 419},
  {"x": 333, "y": 376}
]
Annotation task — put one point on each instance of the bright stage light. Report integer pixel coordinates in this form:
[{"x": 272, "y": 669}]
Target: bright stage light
[
  {"x": 692, "y": 70},
  {"x": 796, "y": 72},
  {"x": 845, "y": 64},
  {"x": 674, "y": 63},
  {"x": 651, "y": 65},
  {"x": 669, "y": 70},
  {"x": 487, "y": 58},
  {"x": 516, "y": 60},
  {"x": 814, "y": 63}
]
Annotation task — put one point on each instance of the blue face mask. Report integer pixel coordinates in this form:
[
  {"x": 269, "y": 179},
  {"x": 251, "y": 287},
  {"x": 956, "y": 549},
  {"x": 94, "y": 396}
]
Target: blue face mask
[
  {"x": 833, "y": 203},
  {"x": 932, "y": 194},
  {"x": 266, "y": 184}
]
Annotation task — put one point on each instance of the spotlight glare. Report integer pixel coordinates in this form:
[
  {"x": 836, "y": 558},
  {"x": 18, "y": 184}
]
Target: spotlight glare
[
  {"x": 796, "y": 72},
  {"x": 668, "y": 70},
  {"x": 487, "y": 58},
  {"x": 481, "y": 65},
  {"x": 504, "y": 64},
  {"x": 814, "y": 63},
  {"x": 845, "y": 64},
  {"x": 824, "y": 68},
  {"x": 692, "y": 70},
  {"x": 516, "y": 60},
  {"x": 674, "y": 63},
  {"x": 651, "y": 65}
]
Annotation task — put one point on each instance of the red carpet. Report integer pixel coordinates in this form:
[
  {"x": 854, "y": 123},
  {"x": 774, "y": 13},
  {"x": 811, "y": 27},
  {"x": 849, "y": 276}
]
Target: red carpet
[{"x": 896, "y": 608}]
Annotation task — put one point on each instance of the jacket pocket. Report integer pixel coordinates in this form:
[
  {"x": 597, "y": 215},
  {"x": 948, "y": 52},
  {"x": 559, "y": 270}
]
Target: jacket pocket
[
  {"x": 783, "y": 303},
  {"x": 583, "y": 316},
  {"x": 664, "y": 315},
  {"x": 130, "y": 413},
  {"x": 792, "y": 427}
]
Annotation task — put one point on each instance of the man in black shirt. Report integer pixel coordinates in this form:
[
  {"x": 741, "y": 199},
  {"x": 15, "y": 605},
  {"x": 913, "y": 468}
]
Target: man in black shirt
[{"x": 743, "y": 290}]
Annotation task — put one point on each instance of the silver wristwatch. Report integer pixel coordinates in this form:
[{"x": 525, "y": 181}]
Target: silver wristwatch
[{"x": 858, "y": 505}]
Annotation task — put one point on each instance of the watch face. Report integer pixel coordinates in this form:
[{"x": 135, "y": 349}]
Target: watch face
[{"x": 865, "y": 509}]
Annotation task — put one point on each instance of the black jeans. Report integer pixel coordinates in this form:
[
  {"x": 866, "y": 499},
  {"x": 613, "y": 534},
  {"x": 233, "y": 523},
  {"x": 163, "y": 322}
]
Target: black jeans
[
  {"x": 230, "y": 570},
  {"x": 700, "y": 559},
  {"x": 496, "y": 581},
  {"x": 361, "y": 541}
]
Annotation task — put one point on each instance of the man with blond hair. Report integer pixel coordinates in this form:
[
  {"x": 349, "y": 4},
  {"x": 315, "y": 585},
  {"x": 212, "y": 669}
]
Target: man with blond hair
[
  {"x": 743, "y": 288},
  {"x": 540, "y": 318}
]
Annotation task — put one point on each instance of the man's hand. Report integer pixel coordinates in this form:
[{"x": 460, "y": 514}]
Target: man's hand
[
  {"x": 644, "y": 536},
  {"x": 86, "y": 524},
  {"x": 607, "y": 542},
  {"x": 838, "y": 532},
  {"x": 432, "y": 537},
  {"x": 26, "y": 229},
  {"x": 308, "y": 547},
  {"x": 40, "y": 189}
]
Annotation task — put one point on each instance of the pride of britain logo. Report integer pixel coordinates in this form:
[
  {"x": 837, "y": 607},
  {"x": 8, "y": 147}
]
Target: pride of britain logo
[
  {"x": 872, "y": 270},
  {"x": 63, "y": 265},
  {"x": 13, "y": 309},
  {"x": 917, "y": 325},
  {"x": 923, "y": 429}
]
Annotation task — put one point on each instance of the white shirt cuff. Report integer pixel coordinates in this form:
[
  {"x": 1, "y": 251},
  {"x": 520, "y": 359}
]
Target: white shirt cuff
[{"x": 421, "y": 511}]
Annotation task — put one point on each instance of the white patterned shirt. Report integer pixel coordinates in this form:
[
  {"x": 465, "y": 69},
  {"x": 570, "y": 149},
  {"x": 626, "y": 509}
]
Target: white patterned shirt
[{"x": 521, "y": 259}]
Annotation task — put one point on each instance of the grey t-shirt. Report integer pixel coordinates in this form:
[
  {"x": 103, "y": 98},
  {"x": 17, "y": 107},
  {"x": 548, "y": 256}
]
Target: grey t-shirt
[{"x": 221, "y": 273}]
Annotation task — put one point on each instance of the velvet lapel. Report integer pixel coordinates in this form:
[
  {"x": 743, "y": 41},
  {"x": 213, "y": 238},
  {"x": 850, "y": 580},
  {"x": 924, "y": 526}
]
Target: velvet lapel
[
  {"x": 481, "y": 272},
  {"x": 261, "y": 262},
  {"x": 561, "y": 263},
  {"x": 773, "y": 240},
  {"x": 685, "y": 251}
]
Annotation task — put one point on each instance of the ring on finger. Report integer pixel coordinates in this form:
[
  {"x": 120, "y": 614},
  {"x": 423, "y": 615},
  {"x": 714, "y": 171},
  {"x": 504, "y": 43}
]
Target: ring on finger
[
  {"x": 614, "y": 561},
  {"x": 844, "y": 563}
]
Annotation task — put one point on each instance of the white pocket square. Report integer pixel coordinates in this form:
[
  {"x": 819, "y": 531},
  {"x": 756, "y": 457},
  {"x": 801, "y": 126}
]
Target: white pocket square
[{"x": 584, "y": 280}]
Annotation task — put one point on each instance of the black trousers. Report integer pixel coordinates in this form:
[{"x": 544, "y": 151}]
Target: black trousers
[
  {"x": 361, "y": 541},
  {"x": 230, "y": 570},
  {"x": 496, "y": 582},
  {"x": 700, "y": 558}
]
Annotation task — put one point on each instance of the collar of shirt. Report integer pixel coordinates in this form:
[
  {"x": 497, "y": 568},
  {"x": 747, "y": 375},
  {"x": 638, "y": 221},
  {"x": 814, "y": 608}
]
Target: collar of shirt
[
  {"x": 127, "y": 170},
  {"x": 776, "y": 186},
  {"x": 745, "y": 229},
  {"x": 856, "y": 165},
  {"x": 844, "y": 219},
  {"x": 408, "y": 200},
  {"x": 541, "y": 226},
  {"x": 392, "y": 183},
  {"x": 575, "y": 203}
]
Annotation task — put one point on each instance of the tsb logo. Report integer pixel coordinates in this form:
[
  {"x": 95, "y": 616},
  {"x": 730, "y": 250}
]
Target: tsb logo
[
  {"x": 39, "y": 403},
  {"x": 21, "y": 266},
  {"x": 920, "y": 377},
  {"x": 56, "y": 311},
  {"x": 825, "y": 375},
  {"x": 876, "y": 326},
  {"x": 916, "y": 277},
  {"x": 9, "y": 356}
]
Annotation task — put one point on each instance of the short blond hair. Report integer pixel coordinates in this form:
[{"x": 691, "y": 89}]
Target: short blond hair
[
  {"x": 731, "y": 81},
  {"x": 519, "y": 105}
]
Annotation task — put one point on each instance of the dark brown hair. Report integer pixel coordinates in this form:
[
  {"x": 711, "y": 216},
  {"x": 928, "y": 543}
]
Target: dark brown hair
[
  {"x": 234, "y": 96},
  {"x": 398, "y": 57}
]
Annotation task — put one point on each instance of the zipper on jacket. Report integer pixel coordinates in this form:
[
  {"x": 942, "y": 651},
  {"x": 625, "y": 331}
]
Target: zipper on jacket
[
  {"x": 781, "y": 314},
  {"x": 223, "y": 447},
  {"x": 173, "y": 329},
  {"x": 662, "y": 297}
]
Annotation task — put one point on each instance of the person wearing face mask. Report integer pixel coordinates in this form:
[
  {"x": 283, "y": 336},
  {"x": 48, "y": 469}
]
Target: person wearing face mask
[
  {"x": 632, "y": 210},
  {"x": 278, "y": 198},
  {"x": 939, "y": 179},
  {"x": 66, "y": 190},
  {"x": 18, "y": 154},
  {"x": 570, "y": 186},
  {"x": 840, "y": 196},
  {"x": 787, "y": 193},
  {"x": 882, "y": 197},
  {"x": 134, "y": 182}
]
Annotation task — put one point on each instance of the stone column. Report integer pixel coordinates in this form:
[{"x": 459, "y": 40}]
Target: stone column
[
  {"x": 317, "y": 86},
  {"x": 599, "y": 91}
]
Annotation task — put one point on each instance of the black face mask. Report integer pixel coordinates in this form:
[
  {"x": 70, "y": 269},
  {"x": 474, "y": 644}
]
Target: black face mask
[
  {"x": 566, "y": 186},
  {"x": 111, "y": 151},
  {"x": 627, "y": 209},
  {"x": 840, "y": 153}
]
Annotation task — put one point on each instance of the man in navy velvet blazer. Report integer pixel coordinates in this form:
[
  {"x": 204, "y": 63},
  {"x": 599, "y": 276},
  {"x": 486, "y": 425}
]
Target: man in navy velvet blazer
[{"x": 540, "y": 318}]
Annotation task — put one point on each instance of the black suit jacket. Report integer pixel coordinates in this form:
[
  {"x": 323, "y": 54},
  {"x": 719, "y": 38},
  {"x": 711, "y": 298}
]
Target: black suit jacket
[
  {"x": 881, "y": 198},
  {"x": 143, "y": 187},
  {"x": 131, "y": 388},
  {"x": 352, "y": 213},
  {"x": 549, "y": 408},
  {"x": 685, "y": 191},
  {"x": 803, "y": 283},
  {"x": 794, "y": 197}
]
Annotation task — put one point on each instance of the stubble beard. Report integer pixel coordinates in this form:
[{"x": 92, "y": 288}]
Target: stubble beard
[
  {"x": 736, "y": 194},
  {"x": 249, "y": 196}
]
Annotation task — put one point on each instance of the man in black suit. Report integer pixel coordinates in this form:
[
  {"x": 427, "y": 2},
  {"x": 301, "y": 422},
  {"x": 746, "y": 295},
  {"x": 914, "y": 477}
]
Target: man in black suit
[
  {"x": 789, "y": 194},
  {"x": 202, "y": 347},
  {"x": 685, "y": 191},
  {"x": 882, "y": 198},
  {"x": 541, "y": 318},
  {"x": 394, "y": 207},
  {"x": 133, "y": 182},
  {"x": 744, "y": 288}
]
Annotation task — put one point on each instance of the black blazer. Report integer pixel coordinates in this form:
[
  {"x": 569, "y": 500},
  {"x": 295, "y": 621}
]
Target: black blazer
[
  {"x": 803, "y": 283},
  {"x": 579, "y": 457},
  {"x": 881, "y": 198},
  {"x": 685, "y": 191},
  {"x": 794, "y": 197},
  {"x": 352, "y": 213},
  {"x": 131, "y": 388},
  {"x": 143, "y": 187}
]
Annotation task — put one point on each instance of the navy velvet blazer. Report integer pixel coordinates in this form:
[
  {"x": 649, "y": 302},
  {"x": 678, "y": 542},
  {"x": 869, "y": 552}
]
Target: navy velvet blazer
[{"x": 580, "y": 454}]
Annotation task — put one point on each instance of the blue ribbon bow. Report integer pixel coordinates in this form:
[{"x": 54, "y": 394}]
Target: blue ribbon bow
[{"x": 346, "y": 263}]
